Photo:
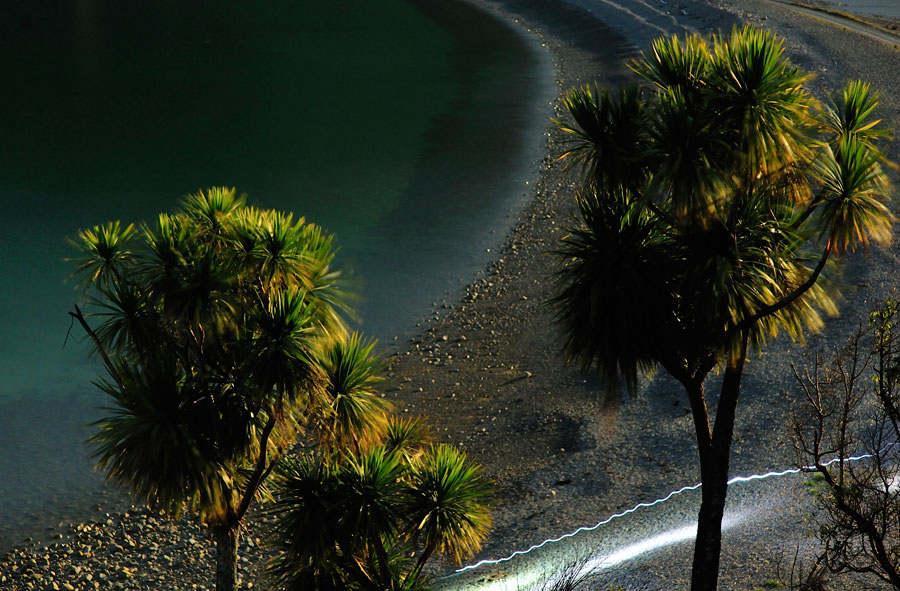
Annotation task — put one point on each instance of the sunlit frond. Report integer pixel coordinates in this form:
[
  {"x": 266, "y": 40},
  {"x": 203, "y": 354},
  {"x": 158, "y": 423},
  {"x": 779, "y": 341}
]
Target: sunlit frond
[
  {"x": 448, "y": 501},
  {"x": 855, "y": 210},
  {"x": 212, "y": 210},
  {"x": 676, "y": 63},
  {"x": 355, "y": 415},
  {"x": 370, "y": 507},
  {"x": 105, "y": 251},
  {"x": 734, "y": 270},
  {"x": 759, "y": 100},
  {"x": 327, "y": 288},
  {"x": 201, "y": 294},
  {"x": 686, "y": 150},
  {"x": 308, "y": 495},
  {"x": 283, "y": 346},
  {"x": 280, "y": 252},
  {"x": 850, "y": 114},
  {"x": 407, "y": 436},
  {"x": 129, "y": 322},
  {"x": 167, "y": 250}
]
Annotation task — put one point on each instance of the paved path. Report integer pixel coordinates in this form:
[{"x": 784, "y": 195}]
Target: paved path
[{"x": 845, "y": 22}]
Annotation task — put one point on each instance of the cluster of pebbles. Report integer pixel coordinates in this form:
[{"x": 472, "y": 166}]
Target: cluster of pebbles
[{"x": 135, "y": 550}]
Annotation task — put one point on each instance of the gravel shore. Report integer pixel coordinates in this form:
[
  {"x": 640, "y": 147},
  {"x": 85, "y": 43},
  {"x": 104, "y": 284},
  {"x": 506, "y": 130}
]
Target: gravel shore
[{"x": 563, "y": 452}]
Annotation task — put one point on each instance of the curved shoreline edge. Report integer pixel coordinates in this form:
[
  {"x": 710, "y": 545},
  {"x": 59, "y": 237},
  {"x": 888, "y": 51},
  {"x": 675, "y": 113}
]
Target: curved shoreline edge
[{"x": 563, "y": 453}]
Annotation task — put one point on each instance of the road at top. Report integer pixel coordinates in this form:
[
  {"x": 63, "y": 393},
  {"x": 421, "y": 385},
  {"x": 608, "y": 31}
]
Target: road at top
[{"x": 851, "y": 24}]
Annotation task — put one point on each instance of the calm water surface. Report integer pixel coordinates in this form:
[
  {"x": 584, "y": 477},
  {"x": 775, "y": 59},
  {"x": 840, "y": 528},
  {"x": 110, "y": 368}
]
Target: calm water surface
[{"x": 407, "y": 128}]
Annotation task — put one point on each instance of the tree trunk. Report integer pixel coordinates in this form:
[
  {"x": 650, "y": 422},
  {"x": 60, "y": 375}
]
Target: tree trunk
[
  {"x": 259, "y": 472},
  {"x": 714, "y": 460},
  {"x": 226, "y": 557},
  {"x": 708, "y": 545},
  {"x": 413, "y": 575}
]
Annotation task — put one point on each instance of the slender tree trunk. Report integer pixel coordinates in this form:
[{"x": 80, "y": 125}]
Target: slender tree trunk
[
  {"x": 714, "y": 460},
  {"x": 708, "y": 545},
  {"x": 259, "y": 471},
  {"x": 413, "y": 575},
  {"x": 226, "y": 537}
]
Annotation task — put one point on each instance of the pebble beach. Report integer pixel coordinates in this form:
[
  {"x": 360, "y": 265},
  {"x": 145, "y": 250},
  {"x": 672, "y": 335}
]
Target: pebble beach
[{"x": 485, "y": 369}]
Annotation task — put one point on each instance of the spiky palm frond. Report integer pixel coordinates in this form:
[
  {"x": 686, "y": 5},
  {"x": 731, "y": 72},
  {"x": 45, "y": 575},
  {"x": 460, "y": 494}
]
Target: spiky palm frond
[
  {"x": 396, "y": 576},
  {"x": 280, "y": 252},
  {"x": 319, "y": 547},
  {"x": 407, "y": 436},
  {"x": 106, "y": 250},
  {"x": 307, "y": 519},
  {"x": 288, "y": 254},
  {"x": 448, "y": 503},
  {"x": 676, "y": 64},
  {"x": 370, "y": 508},
  {"x": 609, "y": 136},
  {"x": 326, "y": 283},
  {"x": 157, "y": 442},
  {"x": 688, "y": 179},
  {"x": 850, "y": 114},
  {"x": 212, "y": 211},
  {"x": 855, "y": 210},
  {"x": 355, "y": 415},
  {"x": 281, "y": 343},
  {"x": 759, "y": 101},
  {"x": 129, "y": 322},
  {"x": 306, "y": 530},
  {"x": 290, "y": 575},
  {"x": 806, "y": 313},
  {"x": 614, "y": 286},
  {"x": 201, "y": 294},
  {"x": 245, "y": 233},
  {"x": 167, "y": 250},
  {"x": 744, "y": 265}
]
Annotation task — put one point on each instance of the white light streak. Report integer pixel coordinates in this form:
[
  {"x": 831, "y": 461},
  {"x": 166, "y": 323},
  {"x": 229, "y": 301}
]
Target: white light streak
[
  {"x": 647, "y": 544},
  {"x": 654, "y": 540},
  {"x": 579, "y": 530}
]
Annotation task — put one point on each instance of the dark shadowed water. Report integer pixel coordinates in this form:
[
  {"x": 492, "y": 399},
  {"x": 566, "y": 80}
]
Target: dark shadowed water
[{"x": 407, "y": 128}]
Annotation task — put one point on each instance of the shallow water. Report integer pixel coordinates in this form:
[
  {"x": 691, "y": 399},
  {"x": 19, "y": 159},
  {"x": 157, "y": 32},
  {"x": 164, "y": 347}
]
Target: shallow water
[{"x": 407, "y": 128}]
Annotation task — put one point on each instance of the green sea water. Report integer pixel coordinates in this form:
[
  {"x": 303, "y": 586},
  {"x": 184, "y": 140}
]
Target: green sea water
[{"x": 408, "y": 128}]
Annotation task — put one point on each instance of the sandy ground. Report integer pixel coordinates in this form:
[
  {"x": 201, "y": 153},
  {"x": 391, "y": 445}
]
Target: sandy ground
[{"x": 564, "y": 452}]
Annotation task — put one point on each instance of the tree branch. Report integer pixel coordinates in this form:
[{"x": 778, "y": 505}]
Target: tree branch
[
  {"x": 259, "y": 472},
  {"x": 413, "y": 575},
  {"x": 748, "y": 323},
  {"x": 810, "y": 208},
  {"x": 79, "y": 316},
  {"x": 700, "y": 414}
]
